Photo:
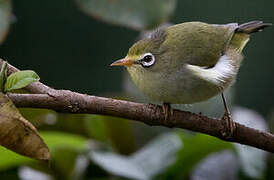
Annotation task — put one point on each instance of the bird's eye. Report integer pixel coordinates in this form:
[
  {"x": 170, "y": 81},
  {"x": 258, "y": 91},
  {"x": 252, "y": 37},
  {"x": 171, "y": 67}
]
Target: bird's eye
[{"x": 147, "y": 60}]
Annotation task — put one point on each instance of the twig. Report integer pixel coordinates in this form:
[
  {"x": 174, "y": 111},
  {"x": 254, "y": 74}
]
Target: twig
[
  {"x": 72, "y": 102},
  {"x": 35, "y": 88}
]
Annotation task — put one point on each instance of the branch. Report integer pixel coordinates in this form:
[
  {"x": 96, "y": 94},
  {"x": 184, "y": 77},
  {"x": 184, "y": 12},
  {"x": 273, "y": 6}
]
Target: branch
[
  {"x": 72, "y": 102},
  {"x": 35, "y": 88}
]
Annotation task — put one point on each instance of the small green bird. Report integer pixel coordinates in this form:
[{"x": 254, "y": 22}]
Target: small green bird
[{"x": 189, "y": 62}]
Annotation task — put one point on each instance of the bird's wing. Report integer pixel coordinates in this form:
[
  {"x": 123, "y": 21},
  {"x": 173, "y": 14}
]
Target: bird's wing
[{"x": 198, "y": 43}]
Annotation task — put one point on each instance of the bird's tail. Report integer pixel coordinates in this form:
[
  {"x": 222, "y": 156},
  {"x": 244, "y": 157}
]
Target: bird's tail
[
  {"x": 243, "y": 31},
  {"x": 252, "y": 27}
]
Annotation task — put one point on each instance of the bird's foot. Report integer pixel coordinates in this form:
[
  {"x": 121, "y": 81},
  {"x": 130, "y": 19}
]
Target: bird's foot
[
  {"x": 229, "y": 125},
  {"x": 167, "y": 110}
]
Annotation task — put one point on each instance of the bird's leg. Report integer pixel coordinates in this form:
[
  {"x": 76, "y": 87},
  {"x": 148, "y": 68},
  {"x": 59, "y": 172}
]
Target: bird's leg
[
  {"x": 230, "y": 125},
  {"x": 167, "y": 110}
]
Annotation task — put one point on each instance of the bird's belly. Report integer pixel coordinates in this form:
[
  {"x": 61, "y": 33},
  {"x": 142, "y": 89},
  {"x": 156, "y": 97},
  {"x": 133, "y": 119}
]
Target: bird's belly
[
  {"x": 184, "y": 89},
  {"x": 181, "y": 93}
]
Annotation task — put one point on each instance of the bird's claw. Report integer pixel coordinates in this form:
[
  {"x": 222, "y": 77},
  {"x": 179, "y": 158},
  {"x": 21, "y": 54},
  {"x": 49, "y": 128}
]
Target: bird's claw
[
  {"x": 229, "y": 125},
  {"x": 167, "y": 110}
]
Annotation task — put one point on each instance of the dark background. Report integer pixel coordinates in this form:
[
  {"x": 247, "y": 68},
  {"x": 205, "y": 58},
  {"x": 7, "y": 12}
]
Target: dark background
[{"x": 70, "y": 50}]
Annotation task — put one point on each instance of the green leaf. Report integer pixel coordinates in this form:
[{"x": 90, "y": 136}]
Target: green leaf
[
  {"x": 5, "y": 14},
  {"x": 54, "y": 140},
  {"x": 96, "y": 128},
  {"x": 196, "y": 148},
  {"x": 145, "y": 163},
  {"x": 117, "y": 131},
  {"x": 20, "y": 80},
  {"x": 120, "y": 134},
  {"x": 136, "y": 14}
]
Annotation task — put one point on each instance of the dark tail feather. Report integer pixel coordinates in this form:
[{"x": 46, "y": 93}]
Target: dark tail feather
[{"x": 252, "y": 27}]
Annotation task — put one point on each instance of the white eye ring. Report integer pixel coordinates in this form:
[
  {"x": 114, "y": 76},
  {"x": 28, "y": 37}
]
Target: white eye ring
[{"x": 147, "y": 60}]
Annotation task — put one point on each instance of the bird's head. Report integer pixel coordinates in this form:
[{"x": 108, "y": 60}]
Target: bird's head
[{"x": 144, "y": 53}]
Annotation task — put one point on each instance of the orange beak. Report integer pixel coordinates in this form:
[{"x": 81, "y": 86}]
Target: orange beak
[{"x": 122, "y": 62}]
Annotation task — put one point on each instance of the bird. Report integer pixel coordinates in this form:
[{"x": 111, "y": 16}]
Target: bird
[{"x": 189, "y": 62}]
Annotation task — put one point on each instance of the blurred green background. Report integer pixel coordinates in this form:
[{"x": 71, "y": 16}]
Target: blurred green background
[{"x": 72, "y": 49}]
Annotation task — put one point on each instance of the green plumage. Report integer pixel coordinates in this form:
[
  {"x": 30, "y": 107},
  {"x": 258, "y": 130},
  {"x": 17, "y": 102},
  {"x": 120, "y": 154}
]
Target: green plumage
[
  {"x": 199, "y": 43},
  {"x": 193, "y": 61}
]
